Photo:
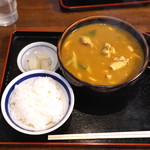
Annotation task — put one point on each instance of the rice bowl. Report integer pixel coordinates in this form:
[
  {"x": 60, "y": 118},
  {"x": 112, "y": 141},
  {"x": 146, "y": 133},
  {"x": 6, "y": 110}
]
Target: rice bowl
[
  {"x": 37, "y": 102},
  {"x": 38, "y": 98}
]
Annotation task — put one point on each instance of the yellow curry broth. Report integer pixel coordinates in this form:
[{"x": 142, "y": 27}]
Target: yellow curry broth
[{"x": 102, "y": 54}]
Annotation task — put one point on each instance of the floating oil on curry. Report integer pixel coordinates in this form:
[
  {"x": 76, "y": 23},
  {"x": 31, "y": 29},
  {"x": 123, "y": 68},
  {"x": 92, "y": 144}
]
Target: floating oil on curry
[{"x": 102, "y": 54}]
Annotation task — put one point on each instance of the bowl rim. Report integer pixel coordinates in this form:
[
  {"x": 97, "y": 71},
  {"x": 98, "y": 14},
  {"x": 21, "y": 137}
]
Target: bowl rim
[
  {"x": 26, "y": 76},
  {"x": 26, "y": 48},
  {"x": 80, "y": 21}
]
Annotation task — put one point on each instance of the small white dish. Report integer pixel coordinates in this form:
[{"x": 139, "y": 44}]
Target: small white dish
[{"x": 38, "y": 55}]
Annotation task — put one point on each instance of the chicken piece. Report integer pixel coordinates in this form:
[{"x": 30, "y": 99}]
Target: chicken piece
[
  {"x": 108, "y": 50},
  {"x": 107, "y": 45},
  {"x": 119, "y": 63},
  {"x": 86, "y": 41}
]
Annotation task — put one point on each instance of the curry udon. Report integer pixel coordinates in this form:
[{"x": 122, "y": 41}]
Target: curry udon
[{"x": 102, "y": 54}]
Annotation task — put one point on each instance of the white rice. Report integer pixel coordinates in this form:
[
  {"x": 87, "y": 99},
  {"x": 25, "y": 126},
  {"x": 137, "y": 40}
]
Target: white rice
[{"x": 38, "y": 103}]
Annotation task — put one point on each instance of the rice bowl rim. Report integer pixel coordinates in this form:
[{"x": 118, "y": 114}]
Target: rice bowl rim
[{"x": 32, "y": 74}]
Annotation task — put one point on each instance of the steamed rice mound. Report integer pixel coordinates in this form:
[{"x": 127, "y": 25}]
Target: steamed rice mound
[{"x": 38, "y": 103}]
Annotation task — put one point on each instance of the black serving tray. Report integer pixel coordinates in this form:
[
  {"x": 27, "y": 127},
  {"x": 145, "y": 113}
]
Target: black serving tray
[
  {"x": 74, "y": 5},
  {"x": 124, "y": 110}
]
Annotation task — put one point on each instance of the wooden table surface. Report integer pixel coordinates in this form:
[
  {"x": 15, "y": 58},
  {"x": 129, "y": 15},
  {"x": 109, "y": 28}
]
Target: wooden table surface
[{"x": 46, "y": 15}]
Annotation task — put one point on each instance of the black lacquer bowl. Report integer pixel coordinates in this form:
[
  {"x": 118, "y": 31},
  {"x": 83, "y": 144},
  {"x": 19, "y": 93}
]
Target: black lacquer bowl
[{"x": 111, "y": 21}]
